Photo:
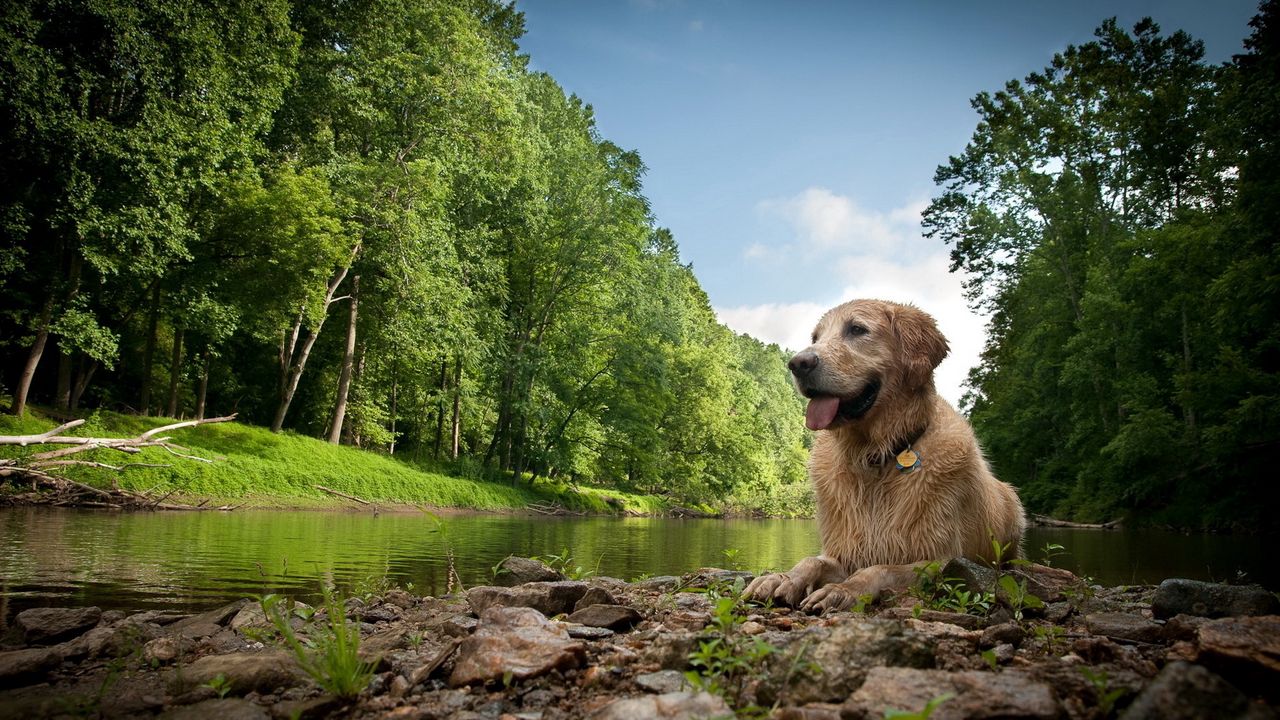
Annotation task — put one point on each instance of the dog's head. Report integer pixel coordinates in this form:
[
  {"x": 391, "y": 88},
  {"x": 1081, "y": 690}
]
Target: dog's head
[{"x": 863, "y": 352}]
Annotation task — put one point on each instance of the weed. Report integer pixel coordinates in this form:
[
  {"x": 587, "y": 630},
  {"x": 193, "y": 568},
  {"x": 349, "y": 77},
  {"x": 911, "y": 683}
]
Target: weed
[
  {"x": 989, "y": 656},
  {"x": 564, "y": 563},
  {"x": 1017, "y": 597},
  {"x": 1107, "y": 695},
  {"x": 451, "y": 570},
  {"x": 921, "y": 714},
  {"x": 219, "y": 684},
  {"x": 725, "y": 662},
  {"x": 1051, "y": 636},
  {"x": 331, "y": 656},
  {"x": 1050, "y": 551},
  {"x": 946, "y": 594},
  {"x": 731, "y": 558}
]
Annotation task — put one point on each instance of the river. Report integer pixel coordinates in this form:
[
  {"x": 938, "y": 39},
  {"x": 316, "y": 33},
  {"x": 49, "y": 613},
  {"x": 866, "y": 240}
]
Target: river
[{"x": 197, "y": 560}]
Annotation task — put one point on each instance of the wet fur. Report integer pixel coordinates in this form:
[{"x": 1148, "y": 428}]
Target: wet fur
[{"x": 876, "y": 522}]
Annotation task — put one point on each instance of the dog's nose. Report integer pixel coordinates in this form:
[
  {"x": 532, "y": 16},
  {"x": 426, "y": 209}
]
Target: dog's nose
[{"x": 803, "y": 363}]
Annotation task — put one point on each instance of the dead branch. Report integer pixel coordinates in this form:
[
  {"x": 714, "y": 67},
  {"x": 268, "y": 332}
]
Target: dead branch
[
  {"x": 343, "y": 495},
  {"x": 57, "y": 490}
]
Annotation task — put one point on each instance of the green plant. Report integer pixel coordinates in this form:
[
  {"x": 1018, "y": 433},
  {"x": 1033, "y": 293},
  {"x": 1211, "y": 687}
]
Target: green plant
[
  {"x": 331, "y": 654},
  {"x": 1050, "y": 636},
  {"x": 1050, "y": 551},
  {"x": 564, "y": 563},
  {"x": 989, "y": 656},
  {"x": 1016, "y": 596},
  {"x": 921, "y": 714},
  {"x": 724, "y": 662},
  {"x": 1107, "y": 695},
  {"x": 219, "y": 684},
  {"x": 946, "y": 593},
  {"x": 731, "y": 558}
]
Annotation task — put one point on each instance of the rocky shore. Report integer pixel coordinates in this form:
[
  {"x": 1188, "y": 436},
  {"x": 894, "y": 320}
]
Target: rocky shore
[{"x": 535, "y": 645}]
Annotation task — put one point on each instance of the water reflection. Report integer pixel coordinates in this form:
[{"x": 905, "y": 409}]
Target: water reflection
[{"x": 196, "y": 560}]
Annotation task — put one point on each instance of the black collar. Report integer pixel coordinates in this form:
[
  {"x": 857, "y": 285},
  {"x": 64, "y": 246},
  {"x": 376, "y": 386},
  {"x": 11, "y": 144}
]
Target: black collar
[{"x": 892, "y": 456}]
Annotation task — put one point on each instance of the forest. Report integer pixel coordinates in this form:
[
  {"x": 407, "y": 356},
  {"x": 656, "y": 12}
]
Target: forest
[
  {"x": 371, "y": 222},
  {"x": 367, "y": 222},
  {"x": 1117, "y": 213}
]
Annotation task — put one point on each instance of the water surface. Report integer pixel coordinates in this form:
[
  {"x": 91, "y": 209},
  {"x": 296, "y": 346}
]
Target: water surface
[{"x": 196, "y": 560}]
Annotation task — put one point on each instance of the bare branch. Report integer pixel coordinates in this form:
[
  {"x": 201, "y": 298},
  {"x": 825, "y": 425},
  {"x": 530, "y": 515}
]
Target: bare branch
[{"x": 25, "y": 440}]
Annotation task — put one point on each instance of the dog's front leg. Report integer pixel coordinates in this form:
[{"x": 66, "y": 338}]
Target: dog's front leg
[
  {"x": 869, "y": 583},
  {"x": 799, "y": 582}
]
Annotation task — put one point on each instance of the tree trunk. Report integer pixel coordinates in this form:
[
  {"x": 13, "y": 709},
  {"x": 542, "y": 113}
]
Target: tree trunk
[
  {"x": 391, "y": 450},
  {"x": 444, "y": 387},
  {"x": 62, "y": 398},
  {"x": 291, "y": 365},
  {"x": 148, "y": 353},
  {"x": 87, "y": 369},
  {"x": 203, "y": 390},
  {"x": 457, "y": 407},
  {"x": 175, "y": 372},
  {"x": 33, "y": 358},
  {"x": 348, "y": 362}
]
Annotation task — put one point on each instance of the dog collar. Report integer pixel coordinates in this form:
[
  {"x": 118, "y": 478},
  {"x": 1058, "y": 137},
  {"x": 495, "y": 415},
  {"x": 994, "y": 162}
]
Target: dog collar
[{"x": 904, "y": 455}]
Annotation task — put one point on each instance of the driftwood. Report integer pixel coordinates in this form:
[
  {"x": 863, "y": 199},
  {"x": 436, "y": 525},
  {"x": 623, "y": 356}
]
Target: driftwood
[
  {"x": 52, "y": 489},
  {"x": 684, "y": 512},
  {"x": 1046, "y": 521},
  {"x": 343, "y": 495},
  {"x": 549, "y": 509}
]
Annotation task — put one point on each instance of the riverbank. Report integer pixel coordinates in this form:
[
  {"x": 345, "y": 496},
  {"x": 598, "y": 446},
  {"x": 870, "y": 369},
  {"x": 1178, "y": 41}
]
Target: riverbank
[
  {"x": 254, "y": 467},
  {"x": 538, "y": 645}
]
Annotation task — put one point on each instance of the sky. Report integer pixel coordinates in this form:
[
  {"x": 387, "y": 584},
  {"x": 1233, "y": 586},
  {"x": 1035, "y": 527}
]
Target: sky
[{"x": 790, "y": 146}]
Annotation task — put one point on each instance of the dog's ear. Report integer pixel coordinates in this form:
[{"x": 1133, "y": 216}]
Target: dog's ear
[{"x": 921, "y": 343}]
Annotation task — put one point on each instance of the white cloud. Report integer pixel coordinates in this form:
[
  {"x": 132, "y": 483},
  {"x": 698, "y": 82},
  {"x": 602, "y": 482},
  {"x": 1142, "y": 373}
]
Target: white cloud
[{"x": 865, "y": 254}]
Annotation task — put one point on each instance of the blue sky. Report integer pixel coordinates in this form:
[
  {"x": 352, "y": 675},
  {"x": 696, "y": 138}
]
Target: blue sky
[{"x": 791, "y": 145}]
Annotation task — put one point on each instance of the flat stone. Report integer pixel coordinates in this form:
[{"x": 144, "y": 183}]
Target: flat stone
[
  {"x": 514, "y": 642},
  {"x": 26, "y": 667},
  {"x": 1183, "y": 691},
  {"x": 661, "y": 583},
  {"x": 595, "y": 596},
  {"x": 1010, "y": 633},
  {"x": 586, "y": 632},
  {"x": 217, "y": 616},
  {"x": 1246, "y": 651},
  {"x": 548, "y": 598},
  {"x": 49, "y": 626},
  {"x": 977, "y": 577},
  {"x": 614, "y": 617},
  {"x": 223, "y": 709},
  {"x": 1193, "y": 597},
  {"x": 663, "y": 681},
  {"x": 515, "y": 571},
  {"x": 1047, "y": 583},
  {"x": 668, "y": 706},
  {"x": 975, "y": 694},
  {"x": 263, "y": 672},
  {"x": 1124, "y": 626},
  {"x": 195, "y": 631},
  {"x": 165, "y": 650}
]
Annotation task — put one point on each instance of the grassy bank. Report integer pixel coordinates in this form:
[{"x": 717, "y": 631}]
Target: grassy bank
[{"x": 255, "y": 466}]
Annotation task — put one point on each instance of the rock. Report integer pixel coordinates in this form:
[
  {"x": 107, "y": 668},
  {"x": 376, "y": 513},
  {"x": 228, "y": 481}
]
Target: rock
[
  {"x": 670, "y": 650},
  {"x": 263, "y": 671},
  {"x": 379, "y": 613},
  {"x": 25, "y": 667},
  {"x": 669, "y": 706},
  {"x": 1183, "y": 691},
  {"x": 48, "y": 626},
  {"x": 399, "y": 598},
  {"x": 975, "y": 694},
  {"x": 1123, "y": 626},
  {"x": 195, "y": 631},
  {"x": 661, "y": 583},
  {"x": 586, "y": 632},
  {"x": 1214, "y": 600},
  {"x": 1246, "y": 651},
  {"x": 663, "y": 681},
  {"x": 838, "y": 659},
  {"x": 706, "y": 577},
  {"x": 457, "y": 626},
  {"x": 977, "y": 577},
  {"x": 1047, "y": 583},
  {"x": 165, "y": 650},
  {"x": 595, "y": 596},
  {"x": 217, "y": 616},
  {"x": 516, "y": 641},
  {"x": 1009, "y": 632},
  {"x": 614, "y": 617},
  {"x": 223, "y": 709},
  {"x": 548, "y": 598},
  {"x": 515, "y": 571},
  {"x": 250, "y": 616},
  {"x": 123, "y": 638}
]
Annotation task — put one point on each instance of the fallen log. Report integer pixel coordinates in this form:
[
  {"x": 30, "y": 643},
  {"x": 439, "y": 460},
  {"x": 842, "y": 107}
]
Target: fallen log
[
  {"x": 1046, "y": 521},
  {"x": 343, "y": 495}
]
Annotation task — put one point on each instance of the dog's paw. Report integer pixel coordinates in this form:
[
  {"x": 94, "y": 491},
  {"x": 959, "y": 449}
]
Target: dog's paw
[
  {"x": 833, "y": 598},
  {"x": 762, "y": 588}
]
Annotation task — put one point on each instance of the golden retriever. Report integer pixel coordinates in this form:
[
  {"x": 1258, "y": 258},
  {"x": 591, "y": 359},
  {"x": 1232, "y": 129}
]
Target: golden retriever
[{"x": 898, "y": 473}]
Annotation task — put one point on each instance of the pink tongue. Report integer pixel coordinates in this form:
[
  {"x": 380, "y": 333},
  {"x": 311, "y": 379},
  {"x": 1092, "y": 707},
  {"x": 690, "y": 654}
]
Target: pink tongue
[{"x": 821, "y": 412}]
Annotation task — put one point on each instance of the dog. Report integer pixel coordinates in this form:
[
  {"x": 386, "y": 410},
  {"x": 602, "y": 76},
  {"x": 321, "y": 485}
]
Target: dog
[{"x": 898, "y": 475}]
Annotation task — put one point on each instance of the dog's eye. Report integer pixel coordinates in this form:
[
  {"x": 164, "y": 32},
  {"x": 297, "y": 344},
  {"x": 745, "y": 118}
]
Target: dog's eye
[
  {"x": 813, "y": 339},
  {"x": 855, "y": 330}
]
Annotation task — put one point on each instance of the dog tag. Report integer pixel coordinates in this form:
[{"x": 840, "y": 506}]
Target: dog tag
[{"x": 908, "y": 460}]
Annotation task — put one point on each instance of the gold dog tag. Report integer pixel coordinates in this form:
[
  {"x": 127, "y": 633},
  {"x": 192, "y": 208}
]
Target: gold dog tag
[{"x": 908, "y": 460}]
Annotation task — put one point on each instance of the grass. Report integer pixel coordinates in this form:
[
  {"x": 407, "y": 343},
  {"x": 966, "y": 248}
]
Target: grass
[{"x": 255, "y": 466}]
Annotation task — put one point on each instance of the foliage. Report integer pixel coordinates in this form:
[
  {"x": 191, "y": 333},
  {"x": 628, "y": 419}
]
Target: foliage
[
  {"x": 923, "y": 713},
  {"x": 193, "y": 193},
  {"x": 1013, "y": 593},
  {"x": 947, "y": 594},
  {"x": 1109, "y": 212},
  {"x": 565, "y": 564},
  {"x": 725, "y": 663},
  {"x": 330, "y": 652},
  {"x": 1107, "y": 695}
]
